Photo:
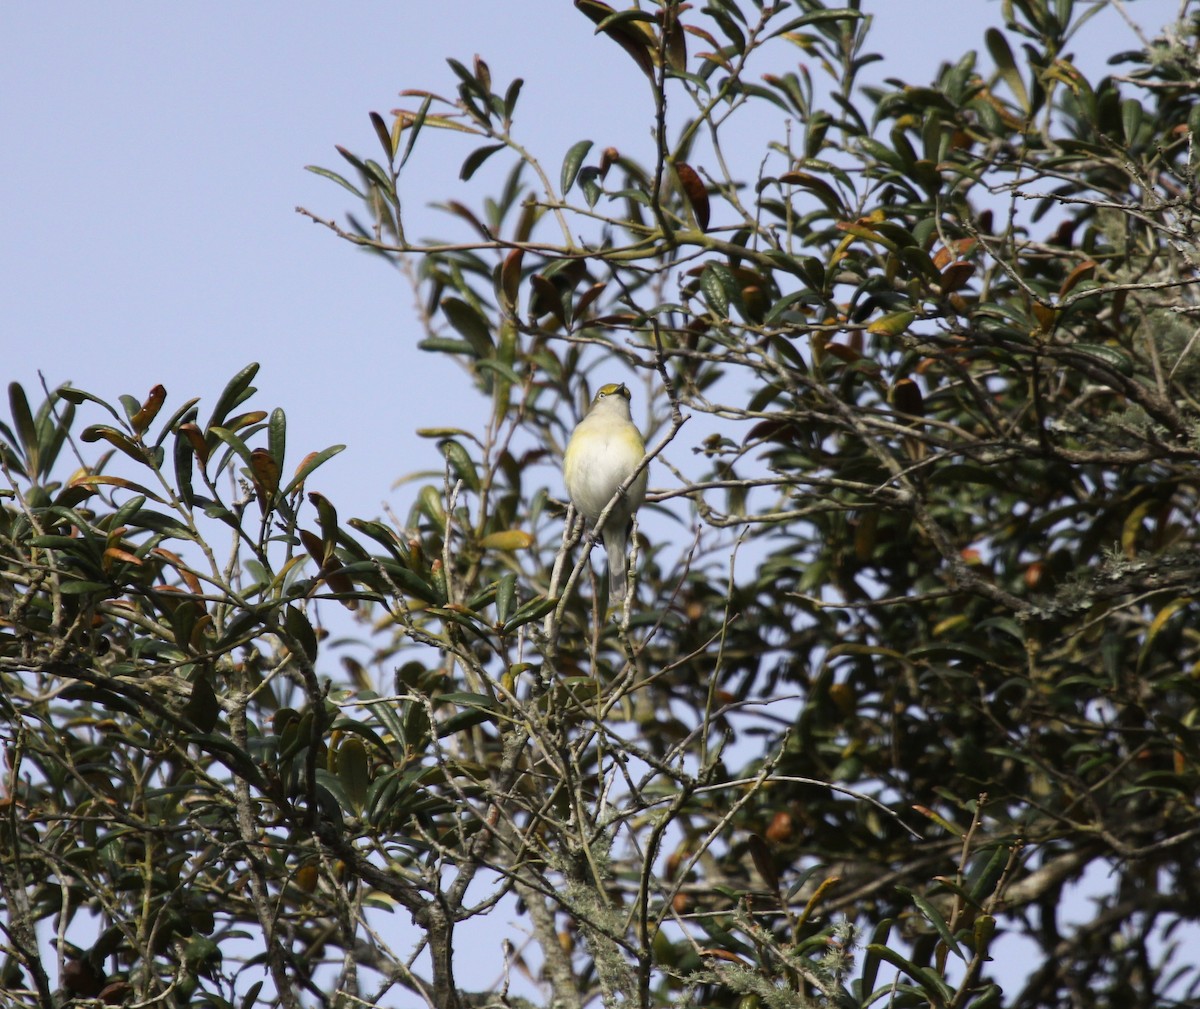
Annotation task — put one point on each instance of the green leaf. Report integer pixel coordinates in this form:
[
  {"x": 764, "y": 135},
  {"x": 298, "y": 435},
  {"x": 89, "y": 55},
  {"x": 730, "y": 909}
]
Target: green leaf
[
  {"x": 183, "y": 455},
  {"x": 169, "y": 526},
  {"x": 234, "y": 394},
  {"x": 384, "y": 710},
  {"x": 202, "y": 708},
  {"x": 429, "y": 503},
  {"x": 572, "y": 163},
  {"x": 507, "y": 539},
  {"x": 934, "y": 917},
  {"x": 511, "y": 96},
  {"x": 461, "y": 464},
  {"x": 101, "y": 432},
  {"x": 535, "y": 609},
  {"x": 326, "y": 516},
  {"x": 715, "y": 287},
  {"x": 1131, "y": 119},
  {"x": 123, "y": 515},
  {"x": 382, "y": 796},
  {"x": 917, "y": 260},
  {"x": 817, "y": 17},
  {"x": 333, "y": 176},
  {"x": 476, "y": 158},
  {"x": 26, "y": 429},
  {"x": 250, "y": 999},
  {"x": 406, "y": 580},
  {"x": 229, "y": 754},
  {"x": 505, "y": 593},
  {"x": 186, "y": 412},
  {"x": 985, "y": 873},
  {"x": 298, "y": 627},
  {"x": 331, "y": 797},
  {"x": 881, "y": 152},
  {"x": 476, "y": 709},
  {"x": 311, "y": 462},
  {"x": 415, "y": 128},
  {"x": 353, "y": 771},
  {"x": 384, "y": 535},
  {"x": 500, "y": 369},
  {"x": 1001, "y": 54},
  {"x": 802, "y": 879},
  {"x": 78, "y": 397},
  {"x": 470, "y": 325},
  {"x": 483, "y": 597},
  {"x": 937, "y": 988},
  {"x": 870, "y": 969},
  {"x": 77, "y": 587},
  {"x": 277, "y": 435},
  {"x": 1109, "y": 357},
  {"x": 446, "y": 345},
  {"x": 239, "y": 447},
  {"x": 589, "y": 182}
]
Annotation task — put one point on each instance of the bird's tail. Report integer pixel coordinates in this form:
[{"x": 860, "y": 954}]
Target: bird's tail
[{"x": 614, "y": 547}]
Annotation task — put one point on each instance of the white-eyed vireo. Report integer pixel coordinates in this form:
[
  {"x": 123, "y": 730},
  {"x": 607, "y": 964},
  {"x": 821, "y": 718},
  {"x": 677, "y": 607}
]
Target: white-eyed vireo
[{"x": 602, "y": 454}]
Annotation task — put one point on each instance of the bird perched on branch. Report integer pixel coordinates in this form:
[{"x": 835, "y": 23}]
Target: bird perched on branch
[{"x": 604, "y": 452}]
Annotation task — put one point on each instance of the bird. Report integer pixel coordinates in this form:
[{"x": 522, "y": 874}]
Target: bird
[{"x": 603, "y": 452}]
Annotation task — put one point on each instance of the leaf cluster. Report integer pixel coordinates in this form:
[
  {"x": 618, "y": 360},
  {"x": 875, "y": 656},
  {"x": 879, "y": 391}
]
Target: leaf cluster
[{"x": 911, "y": 650}]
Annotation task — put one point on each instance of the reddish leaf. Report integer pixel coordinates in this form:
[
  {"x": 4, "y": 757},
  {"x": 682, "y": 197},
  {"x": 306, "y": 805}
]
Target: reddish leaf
[
  {"x": 546, "y": 298},
  {"x": 586, "y": 299},
  {"x": 177, "y": 563},
  {"x": 960, "y": 249},
  {"x": 608, "y": 157},
  {"x": 694, "y": 189},
  {"x": 676, "y": 40},
  {"x": 1045, "y": 316},
  {"x": 93, "y": 480},
  {"x": 956, "y": 275},
  {"x": 764, "y": 861},
  {"x": 195, "y": 438},
  {"x": 383, "y": 133},
  {"x": 818, "y": 187},
  {"x": 722, "y": 954},
  {"x": 265, "y": 471},
  {"x": 314, "y": 545},
  {"x": 145, "y": 416},
  {"x": 781, "y": 829},
  {"x": 906, "y": 397},
  {"x": 510, "y": 277},
  {"x": 627, "y": 35},
  {"x": 1082, "y": 272},
  {"x": 117, "y": 554},
  {"x": 483, "y": 74}
]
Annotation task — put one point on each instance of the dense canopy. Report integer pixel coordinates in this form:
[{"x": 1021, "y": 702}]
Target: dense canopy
[{"x": 902, "y": 711}]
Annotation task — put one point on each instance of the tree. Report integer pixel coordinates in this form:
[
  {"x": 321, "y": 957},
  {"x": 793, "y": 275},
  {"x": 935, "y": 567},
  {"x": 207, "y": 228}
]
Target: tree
[{"x": 912, "y": 652}]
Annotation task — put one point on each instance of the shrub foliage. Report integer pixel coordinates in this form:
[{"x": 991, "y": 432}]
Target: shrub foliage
[{"x": 903, "y": 712}]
